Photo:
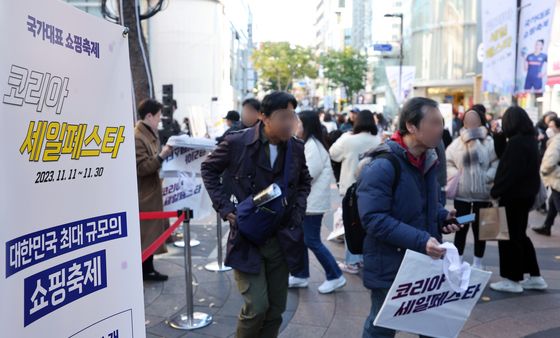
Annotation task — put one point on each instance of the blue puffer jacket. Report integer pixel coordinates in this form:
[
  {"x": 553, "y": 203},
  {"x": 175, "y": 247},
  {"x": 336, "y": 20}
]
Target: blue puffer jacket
[{"x": 394, "y": 223}]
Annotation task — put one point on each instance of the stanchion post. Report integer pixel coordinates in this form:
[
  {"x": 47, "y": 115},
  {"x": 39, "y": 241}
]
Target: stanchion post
[
  {"x": 189, "y": 320},
  {"x": 218, "y": 266}
]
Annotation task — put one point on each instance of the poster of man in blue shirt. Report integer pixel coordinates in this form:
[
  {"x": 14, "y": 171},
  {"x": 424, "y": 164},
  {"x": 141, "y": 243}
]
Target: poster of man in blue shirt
[{"x": 534, "y": 65}]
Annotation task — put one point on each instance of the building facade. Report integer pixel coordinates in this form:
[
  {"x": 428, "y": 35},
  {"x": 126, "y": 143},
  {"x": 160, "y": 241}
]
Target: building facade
[{"x": 203, "y": 48}]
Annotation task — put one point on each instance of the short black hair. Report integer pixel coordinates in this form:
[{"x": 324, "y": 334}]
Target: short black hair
[
  {"x": 232, "y": 115},
  {"x": 413, "y": 112},
  {"x": 516, "y": 121},
  {"x": 275, "y": 101},
  {"x": 541, "y": 41},
  {"x": 364, "y": 123},
  {"x": 256, "y": 104},
  {"x": 148, "y": 106}
]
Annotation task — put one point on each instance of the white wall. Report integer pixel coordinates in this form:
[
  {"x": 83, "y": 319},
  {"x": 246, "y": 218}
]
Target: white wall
[{"x": 190, "y": 48}]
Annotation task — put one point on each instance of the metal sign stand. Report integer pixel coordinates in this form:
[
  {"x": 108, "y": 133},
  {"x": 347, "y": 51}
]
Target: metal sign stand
[
  {"x": 218, "y": 266},
  {"x": 190, "y": 320}
]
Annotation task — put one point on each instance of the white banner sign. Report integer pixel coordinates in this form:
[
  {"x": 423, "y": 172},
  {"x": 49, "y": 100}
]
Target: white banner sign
[
  {"x": 535, "y": 25},
  {"x": 423, "y": 301},
  {"x": 499, "y": 20},
  {"x": 393, "y": 77},
  {"x": 182, "y": 184},
  {"x": 70, "y": 256}
]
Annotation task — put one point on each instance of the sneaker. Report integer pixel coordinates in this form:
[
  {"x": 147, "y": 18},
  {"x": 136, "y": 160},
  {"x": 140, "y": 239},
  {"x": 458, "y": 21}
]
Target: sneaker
[
  {"x": 295, "y": 282},
  {"x": 352, "y": 269},
  {"x": 155, "y": 277},
  {"x": 545, "y": 231},
  {"x": 331, "y": 285},
  {"x": 507, "y": 286},
  {"x": 534, "y": 283}
]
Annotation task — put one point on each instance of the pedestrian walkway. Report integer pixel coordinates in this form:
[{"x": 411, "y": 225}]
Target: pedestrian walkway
[{"x": 309, "y": 314}]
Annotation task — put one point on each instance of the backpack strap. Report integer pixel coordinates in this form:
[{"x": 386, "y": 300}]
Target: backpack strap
[{"x": 396, "y": 167}]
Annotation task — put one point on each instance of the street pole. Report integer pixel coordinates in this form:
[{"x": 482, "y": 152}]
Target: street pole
[
  {"x": 401, "y": 53},
  {"x": 401, "y": 58}
]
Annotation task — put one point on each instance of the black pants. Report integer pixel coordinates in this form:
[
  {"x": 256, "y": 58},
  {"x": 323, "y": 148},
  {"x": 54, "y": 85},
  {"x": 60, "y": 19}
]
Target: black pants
[
  {"x": 148, "y": 265},
  {"x": 518, "y": 256},
  {"x": 465, "y": 208},
  {"x": 553, "y": 207}
]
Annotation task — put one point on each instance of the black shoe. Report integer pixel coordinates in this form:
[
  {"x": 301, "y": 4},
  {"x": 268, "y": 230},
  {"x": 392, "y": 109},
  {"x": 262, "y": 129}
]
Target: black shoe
[
  {"x": 545, "y": 231},
  {"x": 155, "y": 276}
]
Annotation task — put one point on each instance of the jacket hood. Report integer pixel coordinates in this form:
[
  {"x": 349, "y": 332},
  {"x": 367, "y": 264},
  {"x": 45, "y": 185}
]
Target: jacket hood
[{"x": 393, "y": 147}]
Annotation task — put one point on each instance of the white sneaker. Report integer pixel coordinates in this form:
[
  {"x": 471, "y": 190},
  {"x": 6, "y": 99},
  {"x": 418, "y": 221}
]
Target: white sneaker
[
  {"x": 534, "y": 283},
  {"x": 331, "y": 285},
  {"x": 507, "y": 286},
  {"x": 295, "y": 282}
]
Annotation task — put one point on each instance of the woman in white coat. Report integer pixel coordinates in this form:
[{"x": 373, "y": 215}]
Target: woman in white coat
[
  {"x": 471, "y": 166},
  {"x": 348, "y": 149},
  {"x": 318, "y": 202}
]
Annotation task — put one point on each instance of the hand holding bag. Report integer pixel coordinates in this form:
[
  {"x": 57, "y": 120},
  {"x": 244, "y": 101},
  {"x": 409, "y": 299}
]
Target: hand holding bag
[{"x": 258, "y": 222}]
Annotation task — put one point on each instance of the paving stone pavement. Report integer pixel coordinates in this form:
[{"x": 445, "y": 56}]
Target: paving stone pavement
[{"x": 342, "y": 314}]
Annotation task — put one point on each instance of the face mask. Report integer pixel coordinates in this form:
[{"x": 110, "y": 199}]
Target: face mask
[{"x": 550, "y": 133}]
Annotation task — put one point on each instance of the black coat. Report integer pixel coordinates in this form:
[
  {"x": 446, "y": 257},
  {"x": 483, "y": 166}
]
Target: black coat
[
  {"x": 242, "y": 156},
  {"x": 517, "y": 176}
]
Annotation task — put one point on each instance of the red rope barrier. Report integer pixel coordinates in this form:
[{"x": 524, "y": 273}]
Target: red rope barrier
[
  {"x": 163, "y": 237},
  {"x": 149, "y": 215}
]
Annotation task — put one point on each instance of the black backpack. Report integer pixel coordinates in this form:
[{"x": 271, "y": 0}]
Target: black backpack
[{"x": 353, "y": 230}]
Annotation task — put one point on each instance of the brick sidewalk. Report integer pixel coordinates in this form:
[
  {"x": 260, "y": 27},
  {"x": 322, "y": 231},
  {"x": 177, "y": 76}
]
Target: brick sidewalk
[{"x": 342, "y": 314}]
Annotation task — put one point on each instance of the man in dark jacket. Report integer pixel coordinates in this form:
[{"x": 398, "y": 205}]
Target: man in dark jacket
[
  {"x": 232, "y": 122},
  {"x": 255, "y": 159},
  {"x": 408, "y": 217},
  {"x": 249, "y": 117}
]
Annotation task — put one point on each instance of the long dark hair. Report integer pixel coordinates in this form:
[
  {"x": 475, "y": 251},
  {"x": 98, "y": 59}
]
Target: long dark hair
[
  {"x": 312, "y": 126},
  {"x": 364, "y": 122},
  {"x": 516, "y": 121}
]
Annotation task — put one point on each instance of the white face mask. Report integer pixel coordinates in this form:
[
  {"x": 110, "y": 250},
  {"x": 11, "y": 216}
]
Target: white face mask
[{"x": 550, "y": 133}]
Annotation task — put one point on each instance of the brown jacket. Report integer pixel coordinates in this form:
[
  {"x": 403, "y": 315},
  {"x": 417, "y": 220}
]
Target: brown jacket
[{"x": 149, "y": 183}]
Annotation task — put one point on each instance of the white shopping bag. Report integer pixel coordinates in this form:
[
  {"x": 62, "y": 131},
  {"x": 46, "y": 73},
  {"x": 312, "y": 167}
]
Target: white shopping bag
[
  {"x": 432, "y": 297},
  {"x": 338, "y": 226}
]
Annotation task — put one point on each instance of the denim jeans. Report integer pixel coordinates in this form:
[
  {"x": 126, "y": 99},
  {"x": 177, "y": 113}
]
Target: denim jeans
[
  {"x": 350, "y": 257},
  {"x": 312, "y": 237}
]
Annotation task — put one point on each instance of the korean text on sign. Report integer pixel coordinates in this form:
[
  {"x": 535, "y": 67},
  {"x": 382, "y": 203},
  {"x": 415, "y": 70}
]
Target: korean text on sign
[
  {"x": 60, "y": 285},
  {"x": 30, "y": 249}
]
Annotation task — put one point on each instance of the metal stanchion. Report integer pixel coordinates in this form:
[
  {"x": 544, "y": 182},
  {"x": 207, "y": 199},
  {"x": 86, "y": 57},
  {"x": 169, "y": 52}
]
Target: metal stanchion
[
  {"x": 218, "y": 266},
  {"x": 181, "y": 243},
  {"x": 189, "y": 320}
]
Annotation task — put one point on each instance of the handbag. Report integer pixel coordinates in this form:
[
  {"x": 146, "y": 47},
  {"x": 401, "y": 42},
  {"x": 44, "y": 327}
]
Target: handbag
[
  {"x": 453, "y": 186},
  {"x": 493, "y": 225},
  {"x": 540, "y": 198},
  {"x": 257, "y": 222}
]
